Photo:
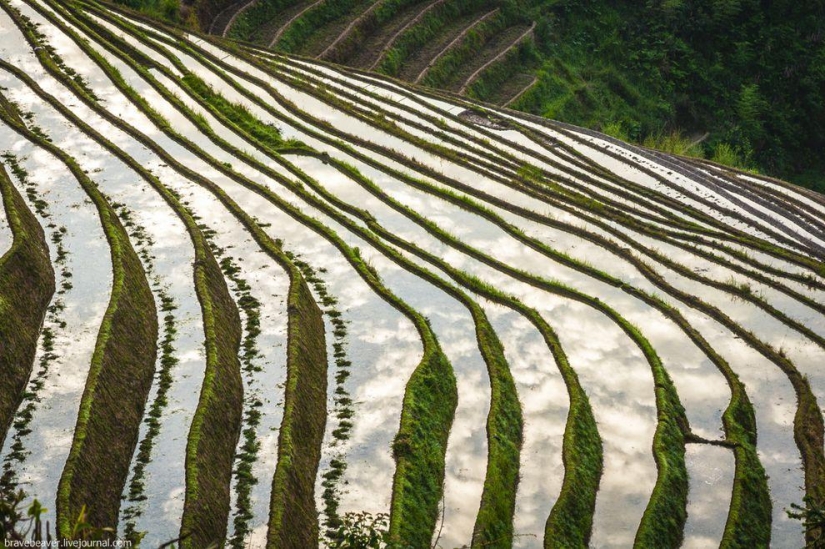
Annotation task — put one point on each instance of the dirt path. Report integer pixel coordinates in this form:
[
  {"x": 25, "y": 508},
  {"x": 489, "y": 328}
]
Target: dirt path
[
  {"x": 455, "y": 41},
  {"x": 221, "y": 23},
  {"x": 373, "y": 60},
  {"x": 523, "y": 90},
  {"x": 282, "y": 28},
  {"x": 501, "y": 54},
  {"x": 348, "y": 29}
]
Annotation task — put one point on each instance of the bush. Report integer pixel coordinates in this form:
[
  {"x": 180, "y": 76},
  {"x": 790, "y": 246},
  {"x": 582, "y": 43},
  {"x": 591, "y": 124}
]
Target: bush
[{"x": 362, "y": 531}]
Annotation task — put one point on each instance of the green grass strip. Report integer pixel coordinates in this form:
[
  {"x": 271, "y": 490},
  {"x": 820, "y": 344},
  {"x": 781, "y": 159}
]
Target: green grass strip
[
  {"x": 213, "y": 435},
  {"x": 27, "y": 285},
  {"x": 293, "y": 519}
]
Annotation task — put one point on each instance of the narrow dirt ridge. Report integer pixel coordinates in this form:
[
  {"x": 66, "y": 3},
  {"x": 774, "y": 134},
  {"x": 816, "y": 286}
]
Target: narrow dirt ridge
[
  {"x": 498, "y": 56},
  {"x": 433, "y": 60},
  {"x": 349, "y": 28},
  {"x": 373, "y": 53},
  {"x": 521, "y": 92},
  {"x": 223, "y": 21},
  {"x": 302, "y": 10}
]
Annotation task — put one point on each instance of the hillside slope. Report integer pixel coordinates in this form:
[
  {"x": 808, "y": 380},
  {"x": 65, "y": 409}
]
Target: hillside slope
[
  {"x": 379, "y": 304},
  {"x": 742, "y": 80}
]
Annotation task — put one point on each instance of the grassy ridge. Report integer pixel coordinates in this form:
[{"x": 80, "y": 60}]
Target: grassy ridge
[
  {"x": 216, "y": 426},
  {"x": 419, "y": 448},
  {"x": 571, "y": 520},
  {"x": 120, "y": 373},
  {"x": 749, "y": 518},
  {"x": 293, "y": 519},
  {"x": 494, "y": 522},
  {"x": 27, "y": 285}
]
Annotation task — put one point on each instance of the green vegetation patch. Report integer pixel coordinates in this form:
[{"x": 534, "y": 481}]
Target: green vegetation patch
[
  {"x": 426, "y": 30},
  {"x": 210, "y": 448},
  {"x": 749, "y": 518},
  {"x": 419, "y": 449},
  {"x": 372, "y": 22},
  {"x": 267, "y": 135},
  {"x": 305, "y": 28},
  {"x": 256, "y": 22},
  {"x": 445, "y": 70},
  {"x": 293, "y": 518},
  {"x": 27, "y": 284}
]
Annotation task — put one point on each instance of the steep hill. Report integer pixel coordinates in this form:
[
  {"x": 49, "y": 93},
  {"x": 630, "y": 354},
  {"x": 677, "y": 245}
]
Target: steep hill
[{"x": 292, "y": 299}]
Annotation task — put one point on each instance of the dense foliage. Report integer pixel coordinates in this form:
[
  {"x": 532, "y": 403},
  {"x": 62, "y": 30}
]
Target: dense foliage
[{"x": 749, "y": 73}]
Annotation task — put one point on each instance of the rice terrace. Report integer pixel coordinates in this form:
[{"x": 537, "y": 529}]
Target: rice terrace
[{"x": 273, "y": 276}]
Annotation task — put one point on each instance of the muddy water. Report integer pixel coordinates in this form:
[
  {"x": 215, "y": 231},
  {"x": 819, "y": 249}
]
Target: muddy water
[{"x": 710, "y": 469}]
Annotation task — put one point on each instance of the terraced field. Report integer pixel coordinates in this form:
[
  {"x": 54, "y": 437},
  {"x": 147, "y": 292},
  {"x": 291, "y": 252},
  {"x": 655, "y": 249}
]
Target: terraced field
[
  {"x": 446, "y": 45},
  {"x": 249, "y": 298}
]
